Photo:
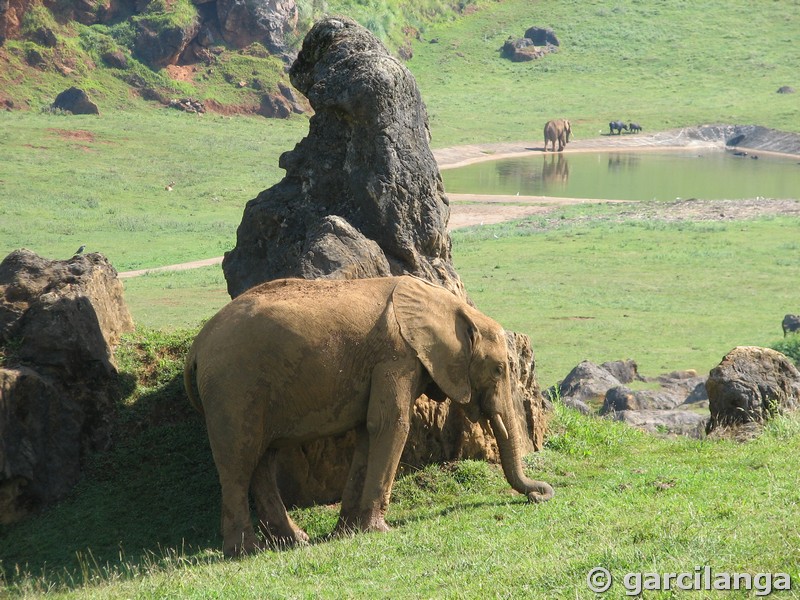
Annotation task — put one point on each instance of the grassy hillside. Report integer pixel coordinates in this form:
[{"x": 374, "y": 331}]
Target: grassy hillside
[
  {"x": 144, "y": 523},
  {"x": 664, "y": 65},
  {"x": 35, "y": 67}
]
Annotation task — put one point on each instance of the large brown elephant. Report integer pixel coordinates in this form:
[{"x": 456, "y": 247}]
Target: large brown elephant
[
  {"x": 557, "y": 130},
  {"x": 293, "y": 360}
]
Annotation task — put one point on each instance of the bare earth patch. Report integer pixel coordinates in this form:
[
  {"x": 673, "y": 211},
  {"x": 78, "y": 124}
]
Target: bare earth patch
[
  {"x": 73, "y": 134},
  {"x": 468, "y": 215}
]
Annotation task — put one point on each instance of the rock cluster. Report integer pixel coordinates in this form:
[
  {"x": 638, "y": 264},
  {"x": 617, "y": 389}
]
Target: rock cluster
[
  {"x": 59, "y": 321},
  {"x": 673, "y": 403},
  {"x": 363, "y": 197},
  {"x": 189, "y": 105},
  {"x": 750, "y": 385},
  {"x": 536, "y": 43}
]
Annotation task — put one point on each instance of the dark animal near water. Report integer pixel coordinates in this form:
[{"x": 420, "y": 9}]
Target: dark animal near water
[
  {"x": 634, "y": 127},
  {"x": 618, "y": 126},
  {"x": 791, "y": 324}
]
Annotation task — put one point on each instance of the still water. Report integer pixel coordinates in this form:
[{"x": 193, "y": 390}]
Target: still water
[{"x": 710, "y": 175}]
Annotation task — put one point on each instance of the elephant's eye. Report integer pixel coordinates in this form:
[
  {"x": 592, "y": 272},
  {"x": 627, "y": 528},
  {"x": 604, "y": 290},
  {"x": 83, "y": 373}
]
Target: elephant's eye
[{"x": 499, "y": 370}]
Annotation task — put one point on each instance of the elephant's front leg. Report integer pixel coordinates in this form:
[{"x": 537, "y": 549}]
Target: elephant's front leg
[{"x": 388, "y": 423}]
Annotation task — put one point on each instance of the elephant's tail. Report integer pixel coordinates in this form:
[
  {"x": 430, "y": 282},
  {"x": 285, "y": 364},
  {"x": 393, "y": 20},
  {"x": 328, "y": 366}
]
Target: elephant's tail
[{"x": 190, "y": 381}]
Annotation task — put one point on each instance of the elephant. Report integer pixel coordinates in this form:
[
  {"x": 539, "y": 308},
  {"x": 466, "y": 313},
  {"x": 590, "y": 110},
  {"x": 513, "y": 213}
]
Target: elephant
[
  {"x": 618, "y": 126},
  {"x": 293, "y": 360},
  {"x": 557, "y": 129},
  {"x": 634, "y": 127},
  {"x": 791, "y": 324}
]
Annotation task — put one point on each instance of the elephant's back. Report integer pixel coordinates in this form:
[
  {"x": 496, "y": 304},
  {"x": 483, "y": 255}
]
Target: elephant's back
[
  {"x": 305, "y": 307},
  {"x": 353, "y": 298}
]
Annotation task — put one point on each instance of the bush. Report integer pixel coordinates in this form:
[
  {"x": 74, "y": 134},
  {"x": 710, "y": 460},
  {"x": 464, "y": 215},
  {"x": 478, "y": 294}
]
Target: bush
[{"x": 790, "y": 346}]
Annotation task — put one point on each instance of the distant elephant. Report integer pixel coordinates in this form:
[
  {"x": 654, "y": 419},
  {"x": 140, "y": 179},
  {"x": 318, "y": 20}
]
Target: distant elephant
[
  {"x": 294, "y": 360},
  {"x": 618, "y": 126},
  {"x": 632, "y": 127},
  {"x": 557, "y": 129},
  {"x": 791, "y": 324}
]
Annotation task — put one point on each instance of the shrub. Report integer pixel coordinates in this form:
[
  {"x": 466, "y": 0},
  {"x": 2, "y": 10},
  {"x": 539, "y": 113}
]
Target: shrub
[{"x": 790, "y": 346}]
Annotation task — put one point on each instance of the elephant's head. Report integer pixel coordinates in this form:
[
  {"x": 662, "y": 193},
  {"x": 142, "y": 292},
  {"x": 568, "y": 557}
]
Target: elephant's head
[
  {"x": 466, "y": 355},
  {"x": 567, "y": 129}
]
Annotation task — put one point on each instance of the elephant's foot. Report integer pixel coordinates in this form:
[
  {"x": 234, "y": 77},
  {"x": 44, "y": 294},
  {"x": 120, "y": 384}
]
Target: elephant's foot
[
  {"x": 279, "y": 537},
  {"x": 241, "y": 545},
  {"x": 348, "y": 525}
]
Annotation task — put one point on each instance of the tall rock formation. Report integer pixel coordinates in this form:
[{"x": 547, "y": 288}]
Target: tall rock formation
[{"x": 363, "y": 197}]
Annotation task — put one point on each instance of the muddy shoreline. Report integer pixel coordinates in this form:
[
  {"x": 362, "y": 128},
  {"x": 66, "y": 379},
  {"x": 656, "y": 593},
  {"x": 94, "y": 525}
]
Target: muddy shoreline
[{"x": 747, "y": 138}]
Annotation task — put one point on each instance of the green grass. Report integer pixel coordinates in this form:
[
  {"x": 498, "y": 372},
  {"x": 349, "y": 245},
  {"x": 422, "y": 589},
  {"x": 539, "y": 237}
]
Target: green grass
[
  {"x": 176, "y": 299},
  {"x": 105, "y": 178},
  {"x": 661, "y": 505},
  {"x": 669, "y": 295}
]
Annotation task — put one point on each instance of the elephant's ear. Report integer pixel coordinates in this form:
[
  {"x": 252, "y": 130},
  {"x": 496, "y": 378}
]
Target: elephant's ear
[{"x": 435, "y": 324}]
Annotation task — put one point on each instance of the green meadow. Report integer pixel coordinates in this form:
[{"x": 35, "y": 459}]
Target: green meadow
[{"x": 585, "y": 282}]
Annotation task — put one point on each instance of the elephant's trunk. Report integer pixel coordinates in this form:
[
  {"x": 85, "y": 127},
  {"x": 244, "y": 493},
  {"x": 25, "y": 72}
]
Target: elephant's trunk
[{"x": 511, "y": 459}]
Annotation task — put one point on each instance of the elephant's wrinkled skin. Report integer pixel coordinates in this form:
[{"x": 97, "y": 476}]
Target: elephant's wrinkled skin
[
  {"x": 293, "y": 360},
  {"x": 557, "y": 130}
]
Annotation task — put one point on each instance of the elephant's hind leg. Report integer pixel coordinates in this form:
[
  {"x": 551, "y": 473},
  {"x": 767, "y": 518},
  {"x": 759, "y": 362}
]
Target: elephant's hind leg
[
  {"x": 275, "y": 522},
  {"x": 354, "y": 487},
  {"x": 238, "y": 534}
]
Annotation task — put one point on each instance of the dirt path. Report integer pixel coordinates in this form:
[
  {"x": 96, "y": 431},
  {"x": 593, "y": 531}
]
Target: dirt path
[{"x": 468, "y": 210}]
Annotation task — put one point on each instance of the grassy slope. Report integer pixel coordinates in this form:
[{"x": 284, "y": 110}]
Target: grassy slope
[
  {"x": 664, "y": 65},
  {"x": 626, "y": 501}
]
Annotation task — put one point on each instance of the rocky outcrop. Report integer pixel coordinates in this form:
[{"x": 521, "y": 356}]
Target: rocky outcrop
[
  {"x": 59, "y": 321},
  {"x": 363, "y": 197},
  {"x": 160, "y": 42},
  {"x": 621, "y": 398},
  {"x": 365, "y": 159},
  {"x": 542, "y": 36},
  {"x": 267, "y": 21},
  {"x": 586, "y": 383},
  {"x": 189, "y": 105},
  {"x": 170, "y": 32},
  {"x": 76, "y": 101},
  {"x": 11, "y": 14},
  {"x": 751, "y": 384},
  {"x": 749, "y": 137},
  {"x": 674, "y": 405},
  {"x": 536, "y": 43}
]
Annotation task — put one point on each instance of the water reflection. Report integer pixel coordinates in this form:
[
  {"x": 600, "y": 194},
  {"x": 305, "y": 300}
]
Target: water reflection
[
  {"x": 618, "y": 162},
  {"x": 711, "y": 175},
  {"x": 555, "y": 171}
]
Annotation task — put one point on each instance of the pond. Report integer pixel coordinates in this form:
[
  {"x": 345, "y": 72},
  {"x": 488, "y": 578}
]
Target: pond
[{"x": 652, "y": 175}]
